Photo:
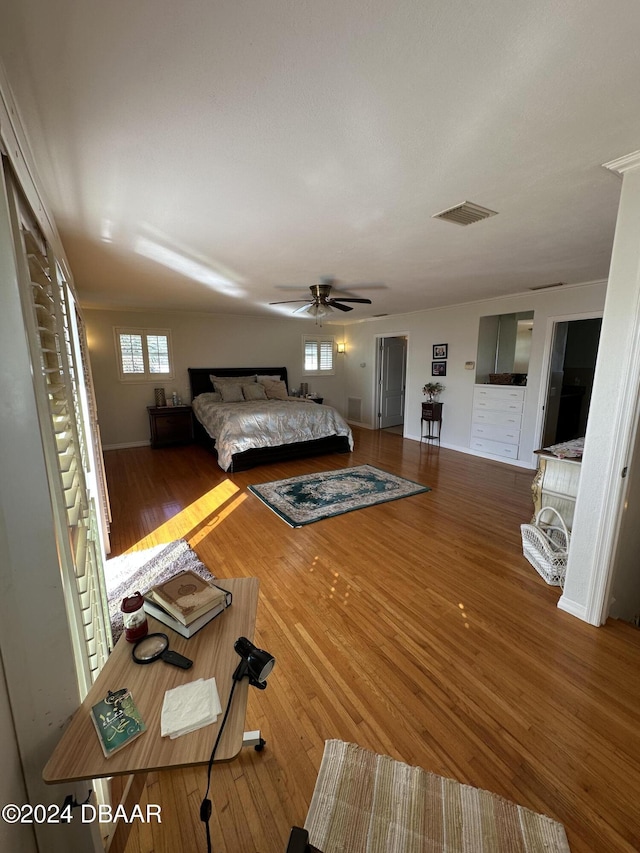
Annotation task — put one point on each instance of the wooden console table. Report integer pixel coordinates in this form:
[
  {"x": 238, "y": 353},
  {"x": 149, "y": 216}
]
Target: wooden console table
[
  {"x": 432, "y": 417},
  {"x": 78, "y": 755}
]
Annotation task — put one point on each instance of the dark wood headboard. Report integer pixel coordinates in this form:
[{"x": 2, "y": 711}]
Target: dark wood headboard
[{"x": 200, "y": 382}]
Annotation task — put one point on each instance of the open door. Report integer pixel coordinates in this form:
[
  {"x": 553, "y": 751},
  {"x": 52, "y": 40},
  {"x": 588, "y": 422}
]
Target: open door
[
  {"x": 574, "y": 348},
  {"x": 391, "y": 381}
]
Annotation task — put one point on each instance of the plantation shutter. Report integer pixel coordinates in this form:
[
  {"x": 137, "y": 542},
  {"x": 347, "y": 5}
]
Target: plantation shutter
[
  {"x": 318, "y": 354},
  {"x": 158, "y": 350},
  {"x": 310, "y": 355},
  {"x": 131, "y": 353},
  {"x": 64, "y": 397},
  {"x": 326, "y": 355}
]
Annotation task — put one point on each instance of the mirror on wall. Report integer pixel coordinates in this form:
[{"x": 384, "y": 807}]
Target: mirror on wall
[{"x": 504, "y": 347}]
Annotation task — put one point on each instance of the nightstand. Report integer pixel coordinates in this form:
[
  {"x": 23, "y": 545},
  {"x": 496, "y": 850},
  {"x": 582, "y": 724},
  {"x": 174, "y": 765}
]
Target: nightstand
[
  {"x": 170, "y": 425},
  {"x": 431, "y": 415}
]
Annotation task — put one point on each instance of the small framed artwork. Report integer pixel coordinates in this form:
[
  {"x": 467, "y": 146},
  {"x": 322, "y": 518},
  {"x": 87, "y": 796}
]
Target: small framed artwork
[
  {"x": 440, "y": 351},
  {"x": 438, "y": 368}
]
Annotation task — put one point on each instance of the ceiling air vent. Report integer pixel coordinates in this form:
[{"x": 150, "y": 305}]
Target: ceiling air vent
[
  {"x": 465, "y": 214},
  {"x": 547, "y": 286}
]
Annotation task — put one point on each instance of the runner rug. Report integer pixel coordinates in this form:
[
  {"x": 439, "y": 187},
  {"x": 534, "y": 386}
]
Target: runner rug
[
  {"x": 368, "y": 803},
  {"x": 312, "y": 497}
]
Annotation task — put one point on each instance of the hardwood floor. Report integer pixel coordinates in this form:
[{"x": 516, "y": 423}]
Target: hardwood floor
[{"x": 414, "y": 628}]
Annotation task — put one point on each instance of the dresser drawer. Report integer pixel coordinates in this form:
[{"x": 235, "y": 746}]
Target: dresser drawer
[
  {"x": 494, "y": 404},
  {"x": 496, "y": 433},
  {"x": 508, "y": 419},
  {"x": 496, "y": 448},
  {"x": 498, "y": 392}
]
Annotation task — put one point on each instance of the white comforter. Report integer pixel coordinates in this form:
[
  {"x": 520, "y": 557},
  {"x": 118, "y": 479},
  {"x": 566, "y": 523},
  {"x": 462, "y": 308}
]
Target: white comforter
[{"x": 236, "y": 427}]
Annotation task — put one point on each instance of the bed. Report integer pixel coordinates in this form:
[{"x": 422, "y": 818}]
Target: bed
[{"x": 250, "y": 433}]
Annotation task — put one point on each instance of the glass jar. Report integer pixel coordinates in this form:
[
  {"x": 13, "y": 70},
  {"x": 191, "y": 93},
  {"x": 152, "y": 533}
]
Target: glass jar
[{"x": 134, "y": 618}]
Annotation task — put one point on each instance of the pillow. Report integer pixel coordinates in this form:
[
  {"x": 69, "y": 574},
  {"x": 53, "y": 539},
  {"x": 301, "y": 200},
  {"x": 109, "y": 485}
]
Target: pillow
[
  {"x": 275, "y": 378},
  {"x": 231, "y": 392},
  {"x": 276, "y": 390},
  {"x": 254, "y": 391},
  {"x": 233, "y": 379}
]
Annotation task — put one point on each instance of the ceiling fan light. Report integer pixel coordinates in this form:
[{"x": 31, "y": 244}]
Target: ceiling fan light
[{"x": 319, "y": 310}]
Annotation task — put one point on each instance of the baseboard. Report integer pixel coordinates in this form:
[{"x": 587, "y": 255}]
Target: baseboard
[
  {"x": 572, "y": 607},
  {"x": 502, "y": 459},
  {"x": 126, "y": 445}
]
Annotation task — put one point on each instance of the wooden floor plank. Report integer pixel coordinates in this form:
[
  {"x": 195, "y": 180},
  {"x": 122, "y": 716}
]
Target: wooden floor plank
[{"x": 414, "y": 628}]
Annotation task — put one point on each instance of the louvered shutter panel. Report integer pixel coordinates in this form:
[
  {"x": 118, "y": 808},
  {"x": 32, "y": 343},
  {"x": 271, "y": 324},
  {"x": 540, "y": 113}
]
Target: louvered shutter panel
[
  {"x": 158, "y": 351},
  {"x": 132, "y": 354},
  {"x": 310, "y": 355},
  {"x": 326, "y": 355},
  {"x": 59, "y": 386}
]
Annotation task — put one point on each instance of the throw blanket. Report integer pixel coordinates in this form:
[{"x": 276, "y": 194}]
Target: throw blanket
[{"x": 237, "y": 427}]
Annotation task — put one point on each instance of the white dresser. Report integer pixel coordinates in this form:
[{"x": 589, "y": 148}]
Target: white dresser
[{"x": 497, "y": 419}]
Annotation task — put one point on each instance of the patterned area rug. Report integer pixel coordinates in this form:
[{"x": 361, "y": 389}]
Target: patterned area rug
[
  {"x": 140, "y": 570},
  {"x": 311, "y": 497},
  {"x": 368, "y": 803}
]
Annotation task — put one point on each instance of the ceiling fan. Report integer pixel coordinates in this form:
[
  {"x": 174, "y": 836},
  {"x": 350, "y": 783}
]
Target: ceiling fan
[{"x": 321, "y": 303}]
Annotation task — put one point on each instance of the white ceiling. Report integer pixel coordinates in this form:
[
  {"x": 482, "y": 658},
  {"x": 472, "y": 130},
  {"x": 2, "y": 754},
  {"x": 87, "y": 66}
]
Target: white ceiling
[{"x": 262, "y": 144}]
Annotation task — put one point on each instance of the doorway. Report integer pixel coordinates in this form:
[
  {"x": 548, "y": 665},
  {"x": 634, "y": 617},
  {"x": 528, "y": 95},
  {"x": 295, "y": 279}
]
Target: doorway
[
  {"x": 392, "y": 373},
  {"x": 574, "y": 349}
]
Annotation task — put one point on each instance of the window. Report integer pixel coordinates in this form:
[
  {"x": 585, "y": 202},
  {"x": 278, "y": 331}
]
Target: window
[
  {"x": 144, "y": 354},
  {"x": 318, "y": 354}
]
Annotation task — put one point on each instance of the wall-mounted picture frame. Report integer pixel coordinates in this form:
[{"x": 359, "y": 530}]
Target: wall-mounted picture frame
[
  {"x": 440, "y": 351},
  {"x": 438, "y": 368}
]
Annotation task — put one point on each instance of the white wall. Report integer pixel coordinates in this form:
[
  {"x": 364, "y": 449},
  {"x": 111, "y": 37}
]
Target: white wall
[
  {"x": 199, "y": 340},
  {"x": 613, "y": 421},
  {"x": 18, "y": 838},
  {"x": 458, "y": 326},
  {"x": 219, "y": 341}
]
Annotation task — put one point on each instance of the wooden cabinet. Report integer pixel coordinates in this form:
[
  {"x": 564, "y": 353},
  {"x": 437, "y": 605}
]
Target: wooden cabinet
[
  {"x": 432, "y": 417},
  {"x": 497, "y": 419},
  {"x": 170, "y": 425}
]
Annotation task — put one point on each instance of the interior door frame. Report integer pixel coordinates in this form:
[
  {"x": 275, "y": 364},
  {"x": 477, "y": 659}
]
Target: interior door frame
[
  {"x": 377, "y": 375},
  {"x": 545, "y": 370}
]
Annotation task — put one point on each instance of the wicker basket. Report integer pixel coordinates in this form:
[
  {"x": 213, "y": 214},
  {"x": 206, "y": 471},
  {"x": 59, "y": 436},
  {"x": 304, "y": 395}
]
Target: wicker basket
[{"x": 545, "y": 544}]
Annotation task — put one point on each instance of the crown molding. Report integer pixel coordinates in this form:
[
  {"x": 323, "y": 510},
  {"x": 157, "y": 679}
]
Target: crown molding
[{"x": 624, "y": 164}]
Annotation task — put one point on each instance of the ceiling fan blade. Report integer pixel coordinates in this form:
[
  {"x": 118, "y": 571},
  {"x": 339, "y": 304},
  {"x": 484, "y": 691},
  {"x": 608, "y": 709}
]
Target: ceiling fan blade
[
  {"x": 288, "y": 301},
  {"x": 363, "y": 301},
  {"x": 333, "y": 304}
]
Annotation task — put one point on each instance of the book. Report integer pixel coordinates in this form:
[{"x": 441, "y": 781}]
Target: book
[
  {"x": 162, "y": 615},
  {"x": 117, "y": 721},
  {"x": 186, "y": 596}
]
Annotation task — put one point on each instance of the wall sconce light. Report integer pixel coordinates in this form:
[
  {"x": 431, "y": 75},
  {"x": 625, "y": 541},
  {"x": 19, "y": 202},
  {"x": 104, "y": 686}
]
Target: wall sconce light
[{"x": 341, "y": 348}]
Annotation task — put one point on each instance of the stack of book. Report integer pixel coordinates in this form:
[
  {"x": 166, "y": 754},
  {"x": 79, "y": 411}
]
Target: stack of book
[{"x": 186, "y": 602}]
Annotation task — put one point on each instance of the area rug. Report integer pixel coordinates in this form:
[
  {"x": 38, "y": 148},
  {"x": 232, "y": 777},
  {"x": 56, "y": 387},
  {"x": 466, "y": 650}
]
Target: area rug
[
  {"x": 312, "y": 497},
  {"x": 368, "y": 803},
  {"x": 140, "y": 570}
]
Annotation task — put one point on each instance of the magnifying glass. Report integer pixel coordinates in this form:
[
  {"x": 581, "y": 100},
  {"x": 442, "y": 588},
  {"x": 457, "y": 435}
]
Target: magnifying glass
[{"x": 156, "y": 647}]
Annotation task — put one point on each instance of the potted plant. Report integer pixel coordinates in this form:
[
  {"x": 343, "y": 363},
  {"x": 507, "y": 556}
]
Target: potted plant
[{"x": 432, "y": 390}]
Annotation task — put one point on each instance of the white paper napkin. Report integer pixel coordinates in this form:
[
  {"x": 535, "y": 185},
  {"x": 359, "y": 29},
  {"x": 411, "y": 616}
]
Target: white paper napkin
[{"x": 189, "y": 707}]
